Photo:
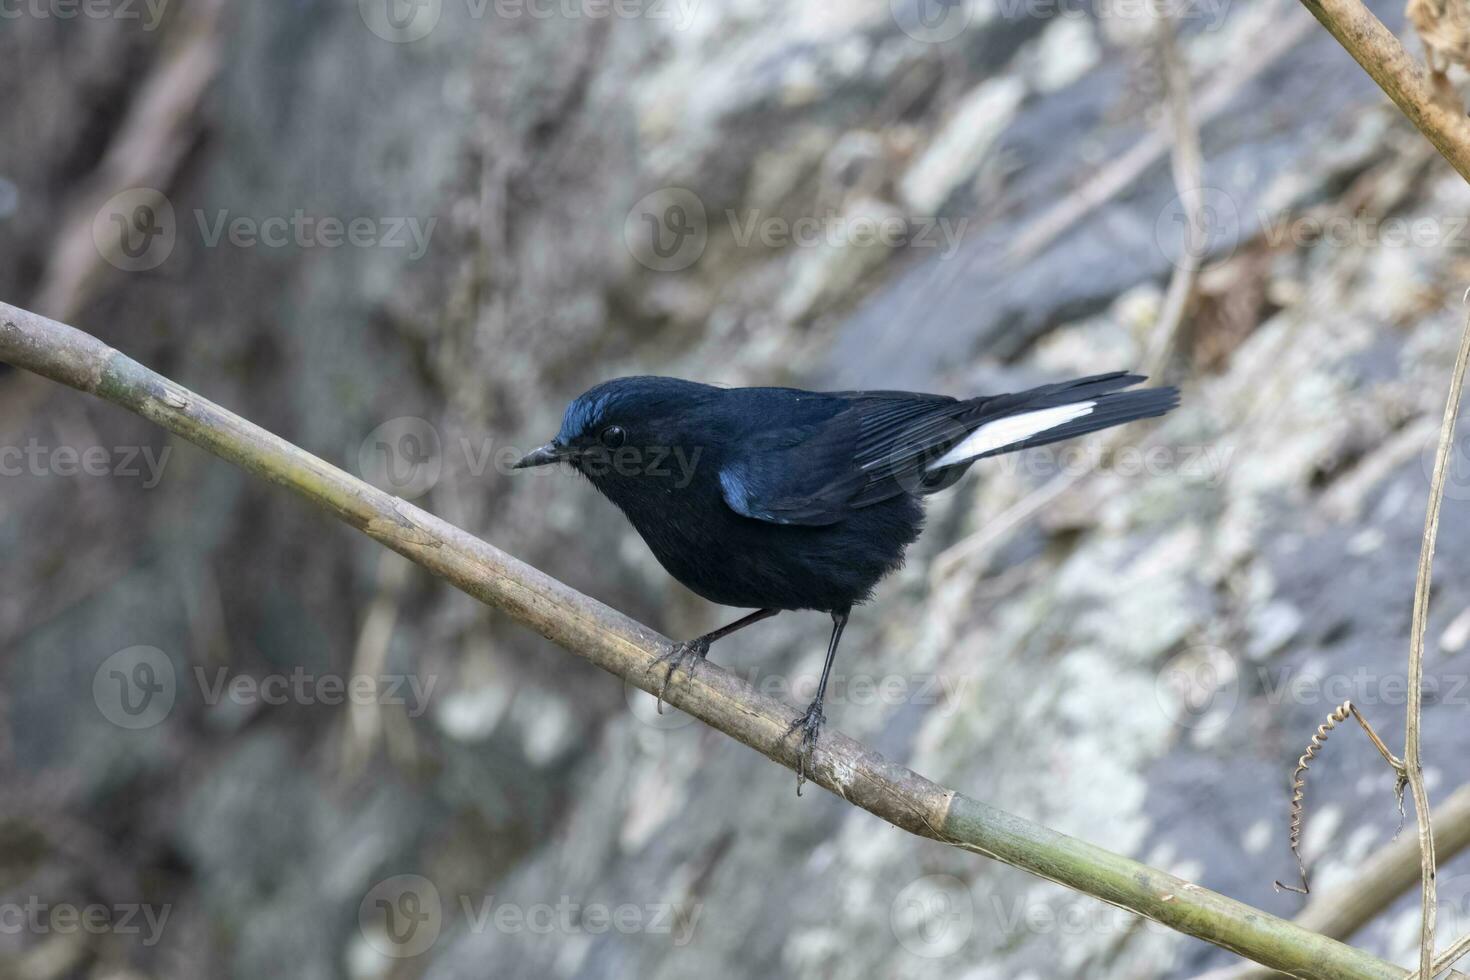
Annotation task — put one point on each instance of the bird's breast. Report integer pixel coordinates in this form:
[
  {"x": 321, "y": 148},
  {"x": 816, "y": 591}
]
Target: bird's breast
[{"x": 740, "y": 561}]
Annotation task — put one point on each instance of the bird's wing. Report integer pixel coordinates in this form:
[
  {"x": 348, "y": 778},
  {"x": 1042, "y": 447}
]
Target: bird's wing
[
  {"x": 816, "y": 471},
  {"x": 870, "y": 446}
]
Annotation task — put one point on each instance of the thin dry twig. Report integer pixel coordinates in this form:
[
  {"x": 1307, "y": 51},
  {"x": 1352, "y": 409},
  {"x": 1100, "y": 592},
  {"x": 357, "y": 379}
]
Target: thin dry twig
[
  {"x": 1456, "y": 950},
  {"x": 1413, "y": 766},
  {"x": 1187, "y": 166},
  {"x": 1122, "y": 173},
  {"x": 1381, "y": 55},
  {"x": 1409, "y": 770},
  {"x": 162, "y": 123},
  {"x": 365, "y": 719},
  {"x": 1299, "y": 783}
]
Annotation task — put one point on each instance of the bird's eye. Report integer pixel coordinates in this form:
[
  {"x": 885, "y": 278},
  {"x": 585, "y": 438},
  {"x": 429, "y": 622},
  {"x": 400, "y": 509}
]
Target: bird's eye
[{"x": 613, "y": 436}]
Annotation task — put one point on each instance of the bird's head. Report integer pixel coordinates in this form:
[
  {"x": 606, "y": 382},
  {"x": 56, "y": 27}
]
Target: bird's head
[{"x": 644, "y": 429}]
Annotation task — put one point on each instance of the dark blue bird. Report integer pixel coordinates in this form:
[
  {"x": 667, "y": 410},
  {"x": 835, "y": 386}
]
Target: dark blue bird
[{"x": 777, "y": 498}]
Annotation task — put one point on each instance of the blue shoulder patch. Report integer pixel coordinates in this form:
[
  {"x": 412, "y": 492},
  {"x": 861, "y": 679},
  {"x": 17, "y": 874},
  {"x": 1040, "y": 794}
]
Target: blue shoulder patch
[{"x": 735, "y": 492}]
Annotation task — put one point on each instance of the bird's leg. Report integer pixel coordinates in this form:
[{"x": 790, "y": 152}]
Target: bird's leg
[
  {"x": 695, "y": 650},
  {"x": 811, "y": 722}
]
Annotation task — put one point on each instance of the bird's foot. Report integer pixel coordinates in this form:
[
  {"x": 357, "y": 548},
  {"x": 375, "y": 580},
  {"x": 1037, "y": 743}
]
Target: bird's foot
[
  {"x": 808, "y": 724},
  {"x": 691, "y": 652}
]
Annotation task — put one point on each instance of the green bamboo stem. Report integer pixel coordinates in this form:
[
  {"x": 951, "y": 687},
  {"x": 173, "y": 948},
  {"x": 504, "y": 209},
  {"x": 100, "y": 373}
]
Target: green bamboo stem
[{"x": 628, "y": 649}]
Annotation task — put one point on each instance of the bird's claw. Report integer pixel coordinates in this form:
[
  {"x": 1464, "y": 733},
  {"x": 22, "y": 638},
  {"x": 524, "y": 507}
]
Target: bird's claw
[
  {"x": 692, "y": 652},
  {"x": 808, "y": 724}
]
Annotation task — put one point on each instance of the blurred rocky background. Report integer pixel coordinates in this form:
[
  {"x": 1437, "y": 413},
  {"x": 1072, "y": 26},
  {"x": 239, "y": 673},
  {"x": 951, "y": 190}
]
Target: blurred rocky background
[{"x": 237, "y": 740}]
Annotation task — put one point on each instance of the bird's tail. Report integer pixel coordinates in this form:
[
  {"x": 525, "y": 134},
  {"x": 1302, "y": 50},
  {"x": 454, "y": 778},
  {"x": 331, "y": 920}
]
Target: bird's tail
[{"x": 1051, "y": 413}]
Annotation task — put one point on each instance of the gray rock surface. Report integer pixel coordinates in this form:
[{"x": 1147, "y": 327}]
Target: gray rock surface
[{"x": 1139, "y": 666}]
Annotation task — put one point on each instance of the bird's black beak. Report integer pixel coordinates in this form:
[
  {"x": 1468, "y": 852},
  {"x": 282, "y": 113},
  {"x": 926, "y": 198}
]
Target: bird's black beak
[{"x": 549, "y": 453}]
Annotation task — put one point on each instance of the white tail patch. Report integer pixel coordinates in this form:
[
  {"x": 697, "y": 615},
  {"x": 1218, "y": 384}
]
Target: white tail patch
[{"x": 1010, "y": 430}]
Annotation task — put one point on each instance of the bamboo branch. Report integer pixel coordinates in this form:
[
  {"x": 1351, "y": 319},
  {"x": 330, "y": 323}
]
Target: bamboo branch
[
  {"x": 623, "y": 647},
  {"x": 1381, "y": 55}
]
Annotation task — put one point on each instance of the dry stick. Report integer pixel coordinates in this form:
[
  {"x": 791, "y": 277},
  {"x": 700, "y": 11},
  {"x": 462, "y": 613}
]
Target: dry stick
[
  {"x": 1187, "y": 167},
  {"x": 365, "y": 717},
  {"x": 1299, "y": 782},
  {"x": 1456, "y": 950},
  {"x": 1413, "y": 769},
  {"x": 1120, "y": 174},
  {"x": 630, "y": 650},
  {"x": 146, "y": 151},
  {"x": 1409, "y": 769},
  {"x": 1381, "y": 55}
]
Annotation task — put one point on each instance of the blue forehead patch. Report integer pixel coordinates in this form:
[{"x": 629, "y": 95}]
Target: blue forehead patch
[{"x": 581, "y": 415}]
